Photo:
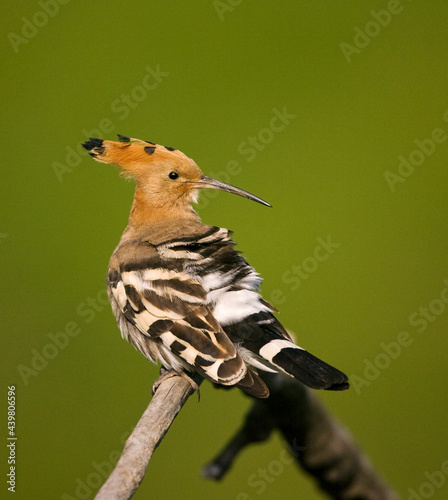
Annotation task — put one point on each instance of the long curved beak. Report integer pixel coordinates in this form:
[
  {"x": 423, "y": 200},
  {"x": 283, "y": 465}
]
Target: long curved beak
[{"x": 208, "y": 182}]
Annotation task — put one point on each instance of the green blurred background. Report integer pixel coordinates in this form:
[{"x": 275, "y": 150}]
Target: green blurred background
[{"x": 216, "y": 73}]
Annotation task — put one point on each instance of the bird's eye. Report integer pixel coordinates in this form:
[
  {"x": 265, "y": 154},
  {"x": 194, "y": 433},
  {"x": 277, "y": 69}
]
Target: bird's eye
[{"x": 173, "y": 175}]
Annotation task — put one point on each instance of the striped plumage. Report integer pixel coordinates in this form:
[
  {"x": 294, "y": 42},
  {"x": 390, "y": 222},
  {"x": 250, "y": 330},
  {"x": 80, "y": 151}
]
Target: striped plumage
[{"x": 180, "y": 291}]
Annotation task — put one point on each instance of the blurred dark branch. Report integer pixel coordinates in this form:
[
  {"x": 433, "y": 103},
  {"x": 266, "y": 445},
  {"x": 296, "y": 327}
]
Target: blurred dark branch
[
  {"x": 171, "y": 395},
  {"x": 320, "y": 445}
]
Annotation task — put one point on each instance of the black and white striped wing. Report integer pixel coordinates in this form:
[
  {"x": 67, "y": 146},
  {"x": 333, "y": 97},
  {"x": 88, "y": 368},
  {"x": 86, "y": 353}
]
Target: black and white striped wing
[
  {"x": 263, "y": 336},
  {"x": 232, "y": 287},
  {"x": 168, "y": 307}
]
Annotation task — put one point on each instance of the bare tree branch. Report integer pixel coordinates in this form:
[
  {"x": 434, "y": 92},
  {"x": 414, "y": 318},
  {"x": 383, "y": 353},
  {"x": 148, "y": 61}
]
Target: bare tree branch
[
  {"x": 171, "y": 395},
  {"x": 321, "y": 446}
]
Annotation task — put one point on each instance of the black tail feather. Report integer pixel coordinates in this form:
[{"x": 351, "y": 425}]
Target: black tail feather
[
  {"x": 310, "y": 370},
  {"x": 263, "y": 335}
]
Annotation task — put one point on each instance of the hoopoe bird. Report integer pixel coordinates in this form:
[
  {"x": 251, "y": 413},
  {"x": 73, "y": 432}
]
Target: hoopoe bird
[{"x": 181, "y": 293}]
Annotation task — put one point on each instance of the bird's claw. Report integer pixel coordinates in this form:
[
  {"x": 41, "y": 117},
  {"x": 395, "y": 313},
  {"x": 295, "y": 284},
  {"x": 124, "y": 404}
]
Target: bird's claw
[{"x": 166, "y": 374}]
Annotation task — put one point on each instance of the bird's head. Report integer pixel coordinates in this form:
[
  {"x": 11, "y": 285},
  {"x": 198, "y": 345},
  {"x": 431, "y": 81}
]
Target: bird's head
[{"x": 166, "y": 178}]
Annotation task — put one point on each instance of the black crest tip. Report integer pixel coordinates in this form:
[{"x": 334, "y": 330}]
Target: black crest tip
[
  {"x": 149, "y": 149},
  {"x": 92, "y": 143},
  {"x": 123, "y": 138}
]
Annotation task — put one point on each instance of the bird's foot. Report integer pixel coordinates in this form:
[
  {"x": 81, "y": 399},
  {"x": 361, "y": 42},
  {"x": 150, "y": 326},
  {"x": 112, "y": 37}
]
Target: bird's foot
[{"x": 166, "y": 374}]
